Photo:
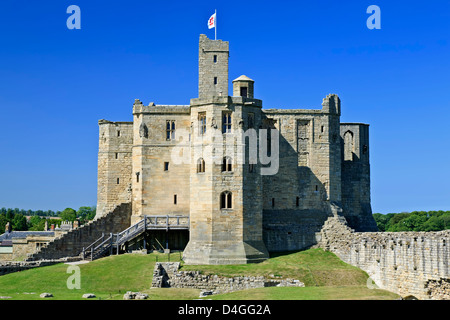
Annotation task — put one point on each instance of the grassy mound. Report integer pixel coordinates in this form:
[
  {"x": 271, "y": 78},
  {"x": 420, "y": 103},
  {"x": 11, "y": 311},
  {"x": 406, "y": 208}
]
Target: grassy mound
[{"x": 325, "y": 277}]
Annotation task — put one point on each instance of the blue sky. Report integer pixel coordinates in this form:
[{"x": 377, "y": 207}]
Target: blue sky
[{"x": 56, "y": 83}]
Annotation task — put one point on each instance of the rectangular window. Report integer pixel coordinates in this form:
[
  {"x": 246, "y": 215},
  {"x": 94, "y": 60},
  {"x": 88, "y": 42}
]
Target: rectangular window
[
  {"x": 215, "y": 80},
  {"x": 118, "y": 133},
  {"x": 166, "y": 166},
  {"x": 170, "y": 130},
  {"x": 273, "y": 202},
  {"x": 215, "y": 58},
  {"x": 244, "y": 91},
  {"x": 226, "y": 122},
  {"x": 202, "y": 122},
  {"x": 117, "y": 155}
]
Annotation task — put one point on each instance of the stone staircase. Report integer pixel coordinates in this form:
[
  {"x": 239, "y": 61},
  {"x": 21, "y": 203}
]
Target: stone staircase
[{"x": 71, "y": 243}]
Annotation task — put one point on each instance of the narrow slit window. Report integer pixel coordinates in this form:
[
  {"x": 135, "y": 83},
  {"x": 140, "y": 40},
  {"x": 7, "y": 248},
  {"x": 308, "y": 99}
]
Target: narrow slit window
[
  {"x": 174, "y": 199},
  {"x": 215, "y": 80},
  {"x": 200, "y": 165},
  {"x": 215, "y": 58},
  {"x": 297, "y": 202},
  {"x": 117, "y": 155},
  {"x": 137, "y": 176},
  {"x": 166, "y": 166},
  {"x": 273, "y": 202},
  {"x": 118, "y": 180},
  {"x": 170, "y": 130},
  {"x": 202, "y": 123},
  {"x": 226, "y": 122},
  {"x": 118, "y": 133}
]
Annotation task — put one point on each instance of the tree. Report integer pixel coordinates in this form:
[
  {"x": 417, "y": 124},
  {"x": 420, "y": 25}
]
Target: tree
[
  {"x": 9, "y": 214},
  {"x": 36, "y": 223},
  {"x": 68, "y": 214},
  {"x": 86, "y": 213},
  {"x": 20, "y": 222},
  {"x": 3, "y": 222},
  {"x": 434, "y": 224},
  {"x": 415, "y": 222}
]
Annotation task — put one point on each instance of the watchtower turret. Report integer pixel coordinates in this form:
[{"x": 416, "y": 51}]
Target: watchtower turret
[
  {"x": 243, "y": 87},
  {"x": 213, "y": 67}
]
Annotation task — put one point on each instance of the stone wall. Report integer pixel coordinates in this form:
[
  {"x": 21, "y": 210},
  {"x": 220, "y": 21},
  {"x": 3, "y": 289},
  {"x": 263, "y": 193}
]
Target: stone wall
[
  {"x": 114, "y": 165},
  {"x": 266, "y": 211},
  {"x": 212, "y": 63},
  {"x": 407, "y": 263},
  {"x": 15, "y": 266},
  {"x": 71, "y": 243},
  {"x": 167, "y": 274},
  {"x": 356, "y": 176},
  {"x": 157, "y": 189}
]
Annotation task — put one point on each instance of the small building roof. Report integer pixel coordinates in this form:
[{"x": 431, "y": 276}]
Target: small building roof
[
  {"x": 243, "y": 78},
  {"x": 24, "y": 234}
]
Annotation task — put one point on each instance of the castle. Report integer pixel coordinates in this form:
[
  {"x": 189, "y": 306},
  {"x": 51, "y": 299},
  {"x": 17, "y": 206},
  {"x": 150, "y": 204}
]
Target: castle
[{"x": 251, "y": 180}]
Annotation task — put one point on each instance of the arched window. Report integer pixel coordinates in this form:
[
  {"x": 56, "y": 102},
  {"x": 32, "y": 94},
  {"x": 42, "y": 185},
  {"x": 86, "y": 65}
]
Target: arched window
[
  {"x": 348, "y": 146},
  {"x": 227, "y": 164},
  {"x": 226, "y": 200},
  {"x": 200, "y": 165}
]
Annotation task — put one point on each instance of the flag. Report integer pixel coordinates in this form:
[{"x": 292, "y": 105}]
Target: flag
[{"x": 212, "y": 21}]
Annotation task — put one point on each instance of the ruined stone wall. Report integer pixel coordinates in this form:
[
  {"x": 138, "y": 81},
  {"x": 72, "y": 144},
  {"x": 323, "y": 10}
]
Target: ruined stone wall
[
  {"x": 407, "y": 263},
  {"x": 356, "y": 202},
  {"x": 16, "y": 266},
  {"x": 296, "y": 200},
  {"x": 168, "y": 275}
]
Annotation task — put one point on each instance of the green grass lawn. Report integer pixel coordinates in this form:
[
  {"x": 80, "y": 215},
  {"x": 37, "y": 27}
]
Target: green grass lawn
[{"x": 325, "y": 277}]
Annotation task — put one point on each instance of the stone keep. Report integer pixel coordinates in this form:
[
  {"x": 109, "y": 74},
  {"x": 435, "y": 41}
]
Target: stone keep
[{"x": 186, "y": 160}]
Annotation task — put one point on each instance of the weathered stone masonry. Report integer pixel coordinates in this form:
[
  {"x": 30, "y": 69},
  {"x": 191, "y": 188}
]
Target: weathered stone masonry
[
  {"x": 407, "y": 263},
  {"x": 323, "y": 166},
  {"x": 168, "y": 275}
]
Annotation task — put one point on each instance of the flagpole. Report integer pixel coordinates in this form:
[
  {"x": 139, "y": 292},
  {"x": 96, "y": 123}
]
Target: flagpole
[{"x": 215, "y": 29}]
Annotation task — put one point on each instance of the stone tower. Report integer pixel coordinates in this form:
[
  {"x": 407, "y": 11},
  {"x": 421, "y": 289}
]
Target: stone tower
[
  {"x": 114, "y": 165},
  {"x": 213, "y": 67},
  {"x": 225, "y": 196}
]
